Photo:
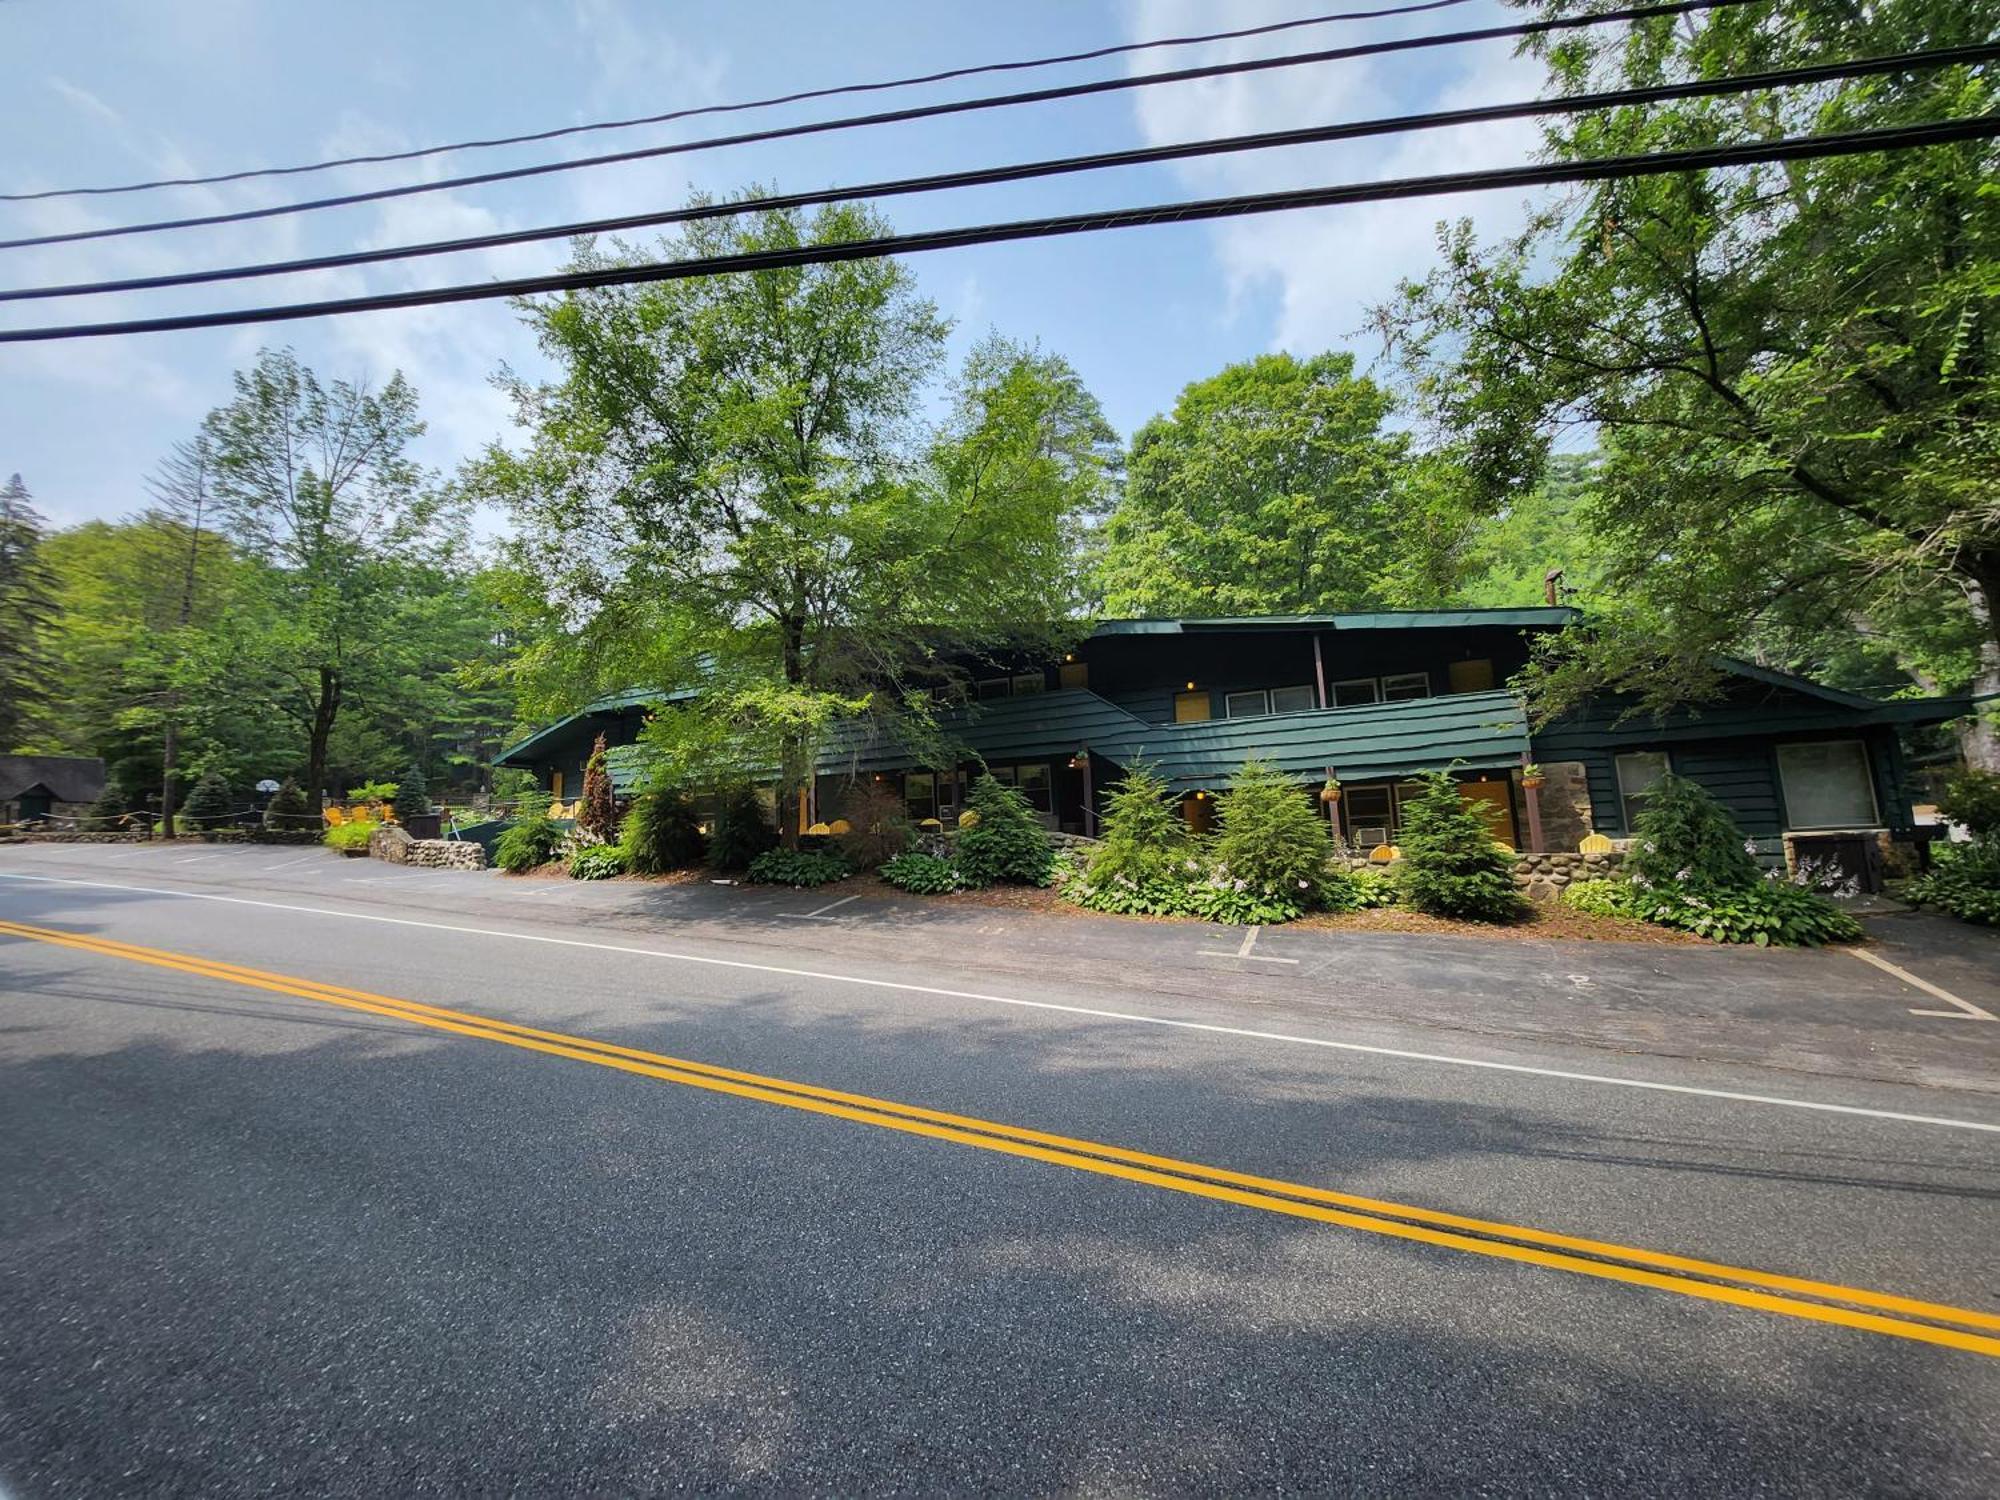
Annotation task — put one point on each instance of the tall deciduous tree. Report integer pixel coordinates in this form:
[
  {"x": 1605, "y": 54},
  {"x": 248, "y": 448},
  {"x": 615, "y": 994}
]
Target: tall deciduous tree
[
  {"x": 730, "y": 490},
  {"x": 26, "y": 610},
  {"x": 1275, "y": 488},
  {"x": 1790, "y": 367},
  {"x": 315, "y": 481}
]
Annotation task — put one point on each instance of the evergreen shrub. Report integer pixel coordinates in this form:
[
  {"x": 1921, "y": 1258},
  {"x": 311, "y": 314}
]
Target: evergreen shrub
[
  {"x": 1008, "y": 845},
  {"x": 1451, "y": 865}
]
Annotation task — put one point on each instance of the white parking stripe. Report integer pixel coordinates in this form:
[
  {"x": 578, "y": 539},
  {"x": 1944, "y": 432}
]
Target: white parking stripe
[
  {"x": 287, "y": 864},
  {"x": 1243, "y": 950},
  {"x": 196, "y": 858},
  {"x": 1138, "y": 1018},
  {"x": 806, "y": 916},
  {"x": 1965, "y": 1010}
]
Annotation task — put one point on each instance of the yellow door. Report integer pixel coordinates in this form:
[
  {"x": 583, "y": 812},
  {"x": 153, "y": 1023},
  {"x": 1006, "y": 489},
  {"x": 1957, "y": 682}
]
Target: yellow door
[
  {"x": 1493, "y": 800},
  {"x": 1191, "y": 707},
  {"x": 1472, "y": 676},
  {"x": 1075, "y": 674}
]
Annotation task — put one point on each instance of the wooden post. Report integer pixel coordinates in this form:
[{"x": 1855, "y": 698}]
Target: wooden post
[
  {"x": 1534, "y": 796},
  {"x": 1089, "y": 811},
  {"x": 1319, "y": 675}
]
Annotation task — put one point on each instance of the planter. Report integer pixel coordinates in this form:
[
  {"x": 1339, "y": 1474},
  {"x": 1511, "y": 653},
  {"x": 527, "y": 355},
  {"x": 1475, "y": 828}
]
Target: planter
[
  {"x": 1534, "y": 783},
  {"x": 424, "y": 825}
]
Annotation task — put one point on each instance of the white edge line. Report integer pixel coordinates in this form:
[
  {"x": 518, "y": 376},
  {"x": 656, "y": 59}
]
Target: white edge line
[{"x": 1208, "y": 1027}]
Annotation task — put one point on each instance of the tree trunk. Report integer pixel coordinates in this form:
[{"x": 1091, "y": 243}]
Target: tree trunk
[
  {"x": 325, "y": 709},
  {"x": 793, "y": 767},
  {"x": 169, "y": 754},
  {"x": 1979, "y": 740}
]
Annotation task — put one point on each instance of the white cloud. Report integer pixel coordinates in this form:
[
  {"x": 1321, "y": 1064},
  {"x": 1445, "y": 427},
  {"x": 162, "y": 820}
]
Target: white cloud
[{"x": 1325, "y": 268}]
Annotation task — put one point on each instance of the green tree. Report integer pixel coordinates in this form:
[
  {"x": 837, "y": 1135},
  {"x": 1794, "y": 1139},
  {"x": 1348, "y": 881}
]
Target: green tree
[
  {"x": 598, "y": 810},
  {"x": 287, "y": 812},
  {"x": 1008, "y": 844},
  {"x": 1685, "y": 838},
  {"x": 314, "y": 481},
  {"x": 1144, "y": 836},
  {"x": 1789, "y": 367},
  {"x": 1451, "y": 866},
  {"x": 741, "y": 829},
  {"x": 1271, "y": 837},
  {"x": 1543, "y": 528},
  {"x": 209, "y": 804},
  {"x": 661, "y": 833},
  {"x": 26, "y": 610},
  {"x": 748, "y": 505},
  {"x": 1275, "y": 488},
  {"x": 413, "y": 793}
]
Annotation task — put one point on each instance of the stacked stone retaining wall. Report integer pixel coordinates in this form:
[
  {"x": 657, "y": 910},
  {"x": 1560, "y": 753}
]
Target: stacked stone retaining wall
[{"x": 396, "y": 846}]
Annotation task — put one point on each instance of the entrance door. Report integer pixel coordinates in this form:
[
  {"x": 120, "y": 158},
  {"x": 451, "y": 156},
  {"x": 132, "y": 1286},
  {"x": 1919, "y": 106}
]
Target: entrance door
[
  {"x": 1494, "y": 801},
  {"x": 1191, "y": 707}
]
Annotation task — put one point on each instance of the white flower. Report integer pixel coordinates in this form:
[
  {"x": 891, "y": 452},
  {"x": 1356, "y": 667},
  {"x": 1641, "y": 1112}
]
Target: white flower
[
  {"x": 1302, "y": 885},
  {"x": 1242, "y": 884},
  {"x": 1749, "y": 846}
]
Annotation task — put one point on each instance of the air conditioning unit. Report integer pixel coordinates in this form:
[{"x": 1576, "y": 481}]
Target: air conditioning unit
[{"x": 1369, "y": 837}]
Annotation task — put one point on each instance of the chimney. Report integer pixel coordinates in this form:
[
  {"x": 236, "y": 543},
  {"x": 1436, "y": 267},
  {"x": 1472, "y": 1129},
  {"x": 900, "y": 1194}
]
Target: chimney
[{"x": 1552, "y": 585}]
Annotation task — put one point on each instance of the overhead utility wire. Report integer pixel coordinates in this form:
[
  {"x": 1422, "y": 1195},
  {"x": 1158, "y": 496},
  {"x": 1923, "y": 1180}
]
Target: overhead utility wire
[
  {"x": 833, "y": 91},
  {"x": 895, "y": 116},
  {"x": 984, "y": 176},
  {"x": 1648, "y": 164}
]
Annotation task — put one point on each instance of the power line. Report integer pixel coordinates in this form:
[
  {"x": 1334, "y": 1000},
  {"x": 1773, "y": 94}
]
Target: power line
[
  {"x": 1022, "y": 65},
  {"x": 1788, "y": 148},
  {"x": 985, "y": 176},
  {"x": 897, "y": 116}
]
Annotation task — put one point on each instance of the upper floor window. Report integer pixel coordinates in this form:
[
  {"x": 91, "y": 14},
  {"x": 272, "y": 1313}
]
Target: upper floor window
[
  {"x": 1397, "y": 687},
  {"x": 1019, "y": 685},
  {"x": 1252, "y": 702},
  {"x": 1028, "y": 682},
  {"x": 1356, "y": 691},
  {"x": 992, "y": 687},
  {"x": 1406, "y": 685}
]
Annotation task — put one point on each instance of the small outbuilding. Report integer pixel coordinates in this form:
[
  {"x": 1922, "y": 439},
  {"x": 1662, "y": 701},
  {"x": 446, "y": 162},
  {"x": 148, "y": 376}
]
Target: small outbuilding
[{"x": 33, "y": 787}]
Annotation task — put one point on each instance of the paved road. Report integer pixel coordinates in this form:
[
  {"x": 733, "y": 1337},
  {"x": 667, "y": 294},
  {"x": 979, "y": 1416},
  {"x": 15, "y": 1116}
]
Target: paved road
[{"x": 269, "y": 1229}]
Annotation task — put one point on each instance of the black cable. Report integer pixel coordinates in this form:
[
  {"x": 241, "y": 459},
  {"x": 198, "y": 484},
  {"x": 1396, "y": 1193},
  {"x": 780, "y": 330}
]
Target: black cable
[
  {"x": 1787, "y": 148},
  {"x": 896, "y": 116},
  {"x": 984, "y": 176},
  {"x": 1023, "y": 65}
]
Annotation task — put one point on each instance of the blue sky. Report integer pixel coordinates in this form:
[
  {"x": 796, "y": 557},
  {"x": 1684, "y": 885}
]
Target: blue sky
[{"x": 97, "y": 91}]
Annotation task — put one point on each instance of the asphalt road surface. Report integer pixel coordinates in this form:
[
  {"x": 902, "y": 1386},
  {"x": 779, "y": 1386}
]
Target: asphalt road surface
[{"x": 322, "y": 1177}]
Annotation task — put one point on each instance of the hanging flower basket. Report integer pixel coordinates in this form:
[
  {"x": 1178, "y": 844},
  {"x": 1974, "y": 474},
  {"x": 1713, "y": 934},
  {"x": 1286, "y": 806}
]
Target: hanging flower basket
[
  {"x": 1532, "y": 777},
  {"x": 1330, "y": 793}
]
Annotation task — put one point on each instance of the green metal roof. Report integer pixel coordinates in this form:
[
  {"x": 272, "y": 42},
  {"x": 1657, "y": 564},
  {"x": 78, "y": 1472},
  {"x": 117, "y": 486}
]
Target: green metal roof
[
  {"x": 610, "y": 703},
  {"x": 1382, "y": 619}
]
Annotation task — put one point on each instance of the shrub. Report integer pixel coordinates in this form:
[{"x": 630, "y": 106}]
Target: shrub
[
  {"x": 923, "y": 874},
  {"x": 597, "y": 811},
  {"x": 352, "y": 835},
  {"x": 1685, "y": 837},
  {"x": 1451, "y": 866},
  {"x": 1598, "y": 898},
  {"x": 802, "y": 867},
  {"x": 208, "y": 805},
  {"x": 1373, "y": 888},
  {"x": 1271, "y": 841},
  {"x": 1239, "y": 904},
  {"x": 1765, "y": 912},
  {"x": 373, "y": 793},
  {"x": 1007, "y": 845},
  {"x": 1163, "y": 896},
  {"x": 413, "y": 794},
  {"x": 1972, "y": 798},
  {"x": 741, "y": 831},
  {"x": 878, "y": 825},
  {"x": 597, "y": 862},
  {"x": 661, "y": 833},
  {"x": 530, "y": 840},
  {"x": 1965, "y": 882},
  {"x": 287, "y": 810},
  {"x": 106, "y": 812},
  {"x": 1146, "y": 841}
]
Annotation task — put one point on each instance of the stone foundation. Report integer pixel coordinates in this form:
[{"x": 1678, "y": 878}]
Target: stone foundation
[
  {"x": 1541, "y": 877},
  {"x": 393, "y": 844}
]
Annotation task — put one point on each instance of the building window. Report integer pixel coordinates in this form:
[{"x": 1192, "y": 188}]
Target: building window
[
  {"x": 1028, "y": 682},
  {"x": 920, "y": 794},
  {"x": 1638, "y": 773},
  {"x": 1034, "y": 783},
  {"x": 992, "y": 687},
  {"x": 1355, "y": 692},
  {"x": 1827, "y": 784},
  {"x": 1371, "y": 815},
  {"x": 1406, "y": 685},
  {"x": 555, "y": 785},
  {"x": 1292, "y": 700},
  {"x": 1246, "y": 705}
]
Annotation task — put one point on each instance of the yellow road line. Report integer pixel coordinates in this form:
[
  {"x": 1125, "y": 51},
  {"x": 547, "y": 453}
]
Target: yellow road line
[{"x": 1156, "y": 1171}]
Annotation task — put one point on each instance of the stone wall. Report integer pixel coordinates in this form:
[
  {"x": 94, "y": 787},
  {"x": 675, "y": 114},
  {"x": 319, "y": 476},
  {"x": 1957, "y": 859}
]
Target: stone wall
[
  {"x": 1565, "y": 805},
  {"x": 393, "y": 844},
  {"x": 1542, "y": 876}
]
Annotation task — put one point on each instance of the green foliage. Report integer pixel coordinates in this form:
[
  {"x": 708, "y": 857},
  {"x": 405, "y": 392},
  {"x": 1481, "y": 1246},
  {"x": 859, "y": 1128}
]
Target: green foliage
[
  {"x": 597, "y": 862},
  {"x": 352, "y": 835},
  {"x": 107, "y": 813},
  {"x": 1598, "y": 898},
  {"x": 1768, "y": 912},
  {"x": 1785, "y": 364},
  {"x": 209, "y": 805},
  {"x": 878, "y": 825},
  {"x": 1451, "y": 866},
  {"x": 800, "y": 867},
  {"x": 661, "y": 833},
  {"x": 921, "y": 874},
  {"x": 1965, "y": 881},
  {"x": 1369, "y": 888},
  {"x": 1008, "y": 846},
  {"x": 1146, "y": 841},
  {"x": 1686, "y": 838},
  {"x": 598, "y": 814},
  {"x": 1278, "y": 487},
  {"x": 1237, "y": 904},
  {"x": 1972, "y": 799},
  {"x": 374, "y": 793},
  {"x": 1271, "y": 842},
  {"x": 287, "y": 810},
  {"x": 28, "y": 610},
  {"x": 530, "y": 840},
  {"x": 413, "y": 794},
  {"x": 1156, "y": 896},
  {"x": 741, "y": 830}
]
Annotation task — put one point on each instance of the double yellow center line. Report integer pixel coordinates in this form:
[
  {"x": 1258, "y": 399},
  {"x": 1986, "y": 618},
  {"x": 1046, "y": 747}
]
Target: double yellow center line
[{"x": 1792, "y": 1296}]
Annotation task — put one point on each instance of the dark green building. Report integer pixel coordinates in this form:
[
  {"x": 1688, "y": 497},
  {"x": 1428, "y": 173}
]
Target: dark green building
[{"x": 1371, "y": 699}]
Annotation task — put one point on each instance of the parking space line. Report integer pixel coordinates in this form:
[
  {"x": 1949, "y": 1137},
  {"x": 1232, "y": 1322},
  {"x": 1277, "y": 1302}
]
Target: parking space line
[
  {"x": 1243, "y": 950},
  {"x": 807, "y": 916},
  {"x": 1964, "y": 1010},
  {"x": 288, "y": 863},
  {"x": 193, "y": 858}
]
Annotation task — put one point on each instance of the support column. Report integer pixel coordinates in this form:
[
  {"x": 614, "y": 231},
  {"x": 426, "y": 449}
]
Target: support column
[{"x": 1533, "y": 794}]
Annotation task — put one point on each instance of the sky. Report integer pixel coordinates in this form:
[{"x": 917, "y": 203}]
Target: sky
[{"x": 99, "y": 92}]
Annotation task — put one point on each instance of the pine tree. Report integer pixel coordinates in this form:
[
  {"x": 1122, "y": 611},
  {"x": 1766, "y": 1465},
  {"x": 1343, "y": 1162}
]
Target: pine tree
[
  {"x": 742, "y": 830},
  {"x": 209, "y": 804},
  {"x": 1008, "y": 843},
  {"x": 1451, "y": 865},
  {"x": 1685, "y": 837},
  {"x": 1271, "y": 836},
  {"x": 597, "y": 811},
  {"x": 1145, "y": 837},
  {"x": 413, "y": 794},
  {"x": 287, "y": 812},
  {"x": 107, "y": 811},
  {"x": 661, "y": 833},
  {"x": 27, "y": 608}
]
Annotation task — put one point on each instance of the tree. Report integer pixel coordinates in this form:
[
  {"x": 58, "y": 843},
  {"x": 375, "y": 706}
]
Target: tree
[
  {"x": 598, "y": 812},
  {"x": 413, "y": 793},
  {"x": 1789, "y": 367},
  {"x": 1685, "y": 838},
  {"x": 751, "y": 509},
  {"x": 1273, "y": 488},
  {"x": 661, "y": 833},
  {"x": 1451, "y": 866},
  {"x": 26, "y": 611},
  {"x": 740, "y": 831},
  {"x": 108, "y": 810},
  {"x": 1145, "y": 837},
  {"x": 209, "y": 805},
  {"x": 287, "y": 812},
  {"x": 1271, "y": 837},
  {"x": 314, "y": 481},
  {"x": 1007, "y": 843}
]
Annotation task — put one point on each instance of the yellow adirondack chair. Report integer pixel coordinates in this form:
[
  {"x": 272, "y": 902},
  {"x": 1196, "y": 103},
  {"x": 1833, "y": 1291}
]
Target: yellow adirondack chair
[
  {"x": 334, "y": 816},
  {"x": 1595, "y": 843}
]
